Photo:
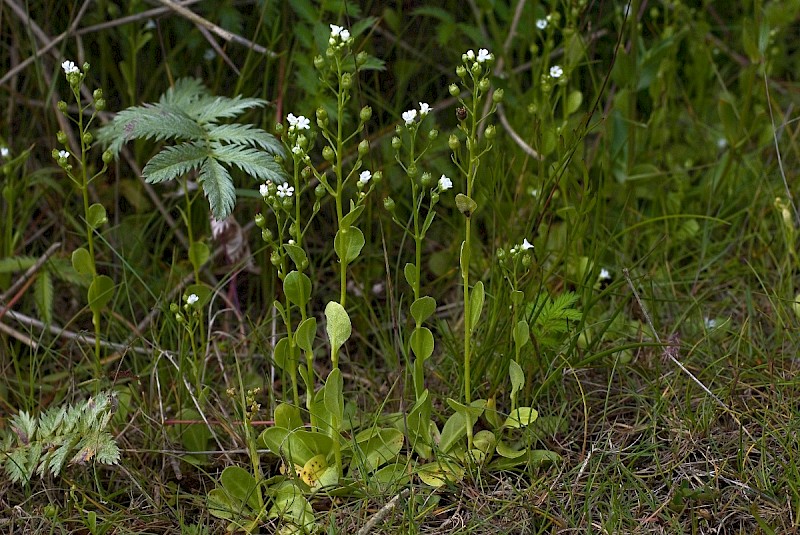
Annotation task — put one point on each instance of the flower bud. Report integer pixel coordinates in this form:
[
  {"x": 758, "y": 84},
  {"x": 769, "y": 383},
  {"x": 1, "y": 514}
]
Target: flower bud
[
  {"x": 396, "y": 143},
  {"x": 319, "y": 62},
  {"x": 97, "y": 94},
  {"x": 275, "y": 258},
  {"x": 85, "y": 67},
  {"x": 62, "y": 106},
  {"x": 461, "y": 71},
  {"x": 305, "y": 173},
  {"x": 363, "y": 148},
  {"x": 320, "y": 191},
  {"x": 433, "y": 134},
  {"x": 330, "y": 52},
  {"x": 389, "y": 204},
  {"x": 491, "y": 132},
  {"x": 287, "y": 202},
  {"x": 266, "y": 235},
  {"x": 328, "y": 154},
  {"x": 454, "y": 90},
  {"x": 377, "y": 177},
  {"x": 497, "y": 96},
  {"x": 61, "y": 137},
  {"x": 55, "y": 154},
  {"x": 413, "y": 171},
  {"x": 179, "y": 318},
  {"x": 173, "y": 307},
  {"x": 260, "y": 220},
  {"x": 347, "y": 81},
  {"x": 483, "y": 85},
  {"x": 322, "y": 117},
  {"x": 278, "y": 128},
  {"x": 434, "y": 197},
  {"x": 107, "y": 157},
  {"x": 87, "y": 138},
  {"x": 461, "y": 113},
  {"x": 361, "y": 58},
  {"x": 366, "y": 114},
  {"x": 100, "y": 104},
  {"x": 453, "y": 142},
  {"x": 426, "y": 179},
  {"x": 526, "y": 260},
  {"x": 302, "y": 141},
  {"x": 476, "y": 68}
]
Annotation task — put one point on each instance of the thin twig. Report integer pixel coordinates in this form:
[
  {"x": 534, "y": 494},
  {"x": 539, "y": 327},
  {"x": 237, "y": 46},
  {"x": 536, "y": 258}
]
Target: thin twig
[
  {"x": 382, "y": 513},
  {"x": 669, "y": 354}
]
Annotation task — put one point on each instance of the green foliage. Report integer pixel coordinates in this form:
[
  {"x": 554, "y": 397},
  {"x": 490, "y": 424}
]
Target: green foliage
[
  {"x": 73, "y": 433},
  {"x": 189, "y": 115},
  {"x": 552, "y": 317}
]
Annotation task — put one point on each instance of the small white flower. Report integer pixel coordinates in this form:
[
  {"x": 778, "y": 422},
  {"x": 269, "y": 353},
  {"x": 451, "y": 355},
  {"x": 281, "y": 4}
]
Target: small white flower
[
  {"x": 263, "y": 189},
  {"x": 722, "y": 143},
  {"x": 445, "y": 183},
  {"x": 483, "y": 55},
  {"x": 526, "y": 245},
  {"x": 470, "y": 55},
  {"x": 710, "y": 323},
  {"x": 192, "y": 299},
  {"x": 209, "y": 54},
  {"x": 604, "y": 275},
  {"x": 290, "y": 242},
  {"x": 150, "y": 25},
  {"x": 4, "y": 152},
  {"x": 556, "y": 71},
  {"x": 424, "y": 109},
  {"x": 69, "y": 67},
  {"x": 364, "y": 177},
  {"x": 541, "y": 24},
  {"x": 63, "y": 154},
  {"x": 408, "y": 116},
  {"x": 285, "y": 190},
  {"x": 336, "y": 30},
  {"x": 298, "y": 123},
  {"x": 297, "y": 149},
  {"x": 345, "y": 35}
]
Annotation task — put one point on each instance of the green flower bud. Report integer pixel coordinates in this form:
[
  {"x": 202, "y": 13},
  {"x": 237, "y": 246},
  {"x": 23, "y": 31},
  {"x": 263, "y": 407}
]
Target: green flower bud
[
  {"x": 61, "y": 137},
  {"x": 260, "y": 220},
  {"x": 87, "y": 138},
  {"x": 433, "y": 134},
  {"x": 476, "y": 68},
  {"x": 287, "y": 202},
  {"x": 366, "y": 114},
  {"x": 173, "y": 307},
  {"x": 54, "y": 154},
  {"x": 85, "y": 67},
  {"x": 483, "y": 85},
  {"x": 107, "y": 157},
  {"x": 501, "y": 254},
  {"x": 328, "y": 154},
  {"x": 396, "y": 143},
  {"x": 413, "y": 171},
  {"x": 534, "y": 48},
  {"x": 266, "y": 235},
  {"x": 377, "y": 177},
  {"x": 491, "y": 132},
  {"x": 305, "y": 173},
  {"x": 453, "y": 142},
  {"x": 454, "y": 90},
  {"x": 361, "y": 58},
  {"x": 426, "y": 179},
  {"x": 389, "y": 204},
  {"x": 100, "y": 104},
  {"x": 526, "y": 260},
  {"x": 363, "y": 148},
  {"x": 62, "y": 106},
  {"x": 302, "y": 141},
  {"x": 347, "y": 81},
  {"x": 461, "y": 71},
  {"x": 279, "y": 128},
  {"x": 434, "y": 197},
  {"x": 97, "y": 94},
  {"x": 330, "y": 52},
  {"x": 275, "y": 258},
  {"x": 319, "y": 62},
  {"x": 179, "y": 318},
  {"x": 497, "y": 96},
  {"x": 320, "y": 191},
  {"x": 322, "y": 116}
]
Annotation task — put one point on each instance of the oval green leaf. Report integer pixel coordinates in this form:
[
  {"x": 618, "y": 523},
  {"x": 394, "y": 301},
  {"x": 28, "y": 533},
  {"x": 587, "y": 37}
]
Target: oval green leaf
[
  {"x": 337, "y": 326},
  {"x": 304, "y": 337},
  {"x": 82, "y": 261},
  {"x": 281, "y": 354},
  {"x": 100, "y": 293},
  {"x": 96, "y": 215},
  {"x": 422, "y": 343},
  {"x": 348, "y": 243},
  {"x": 423, "y": 308},
  {"x": 297, "y": 287},
  {"x": 199, "y": 254}
]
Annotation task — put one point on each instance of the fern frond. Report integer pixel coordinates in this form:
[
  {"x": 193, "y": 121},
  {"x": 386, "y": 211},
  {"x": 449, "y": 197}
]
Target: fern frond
[
  {"x": 173, "y": 162},
  {"x": 209, "y": 109},
  {"x": 244, "y": 134},
  {"x": 151, "y": 121},
  {"x": 255, "y": 163},
  {"x": 183, "y": 93},
  {"x": 218, "y": 187}
]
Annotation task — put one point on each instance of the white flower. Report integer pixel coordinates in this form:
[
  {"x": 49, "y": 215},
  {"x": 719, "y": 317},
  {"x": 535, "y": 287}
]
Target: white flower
[
  {"x": 364, "y": 177},
  {"x": 4, "y": 152},
  {"x": 424, "y": 108},
  {"x": 483, "y": 55},
  {"x": 556, "y": 71},
  {"x": 63, "y": 154},
  {"x": 263, "y": 189},
  {"x": 336, "y": 30},
  {"x": 192, "y": 299},
  {"x": 345, "y": 35},
  {"x": 470, "y": 54},
  {"x": 541, "y": 24},
  {"x": 290, "y": 242},
  {"x": 445, "y": 183},
  {"x": 209, "y": 54},
  {"x": 710, "y": 323},
  {"x": 297, "y": 149},
  {"x": 604, "y": 275},
  {"x": 408, "y": 116},
  {"x": 150, "y": 25},
  {"x": 285, "y": 190},
  {"x": 69, "y": 67},
  {"x": 298, "y": 123},
  {"x": 526, "y": 245}
]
